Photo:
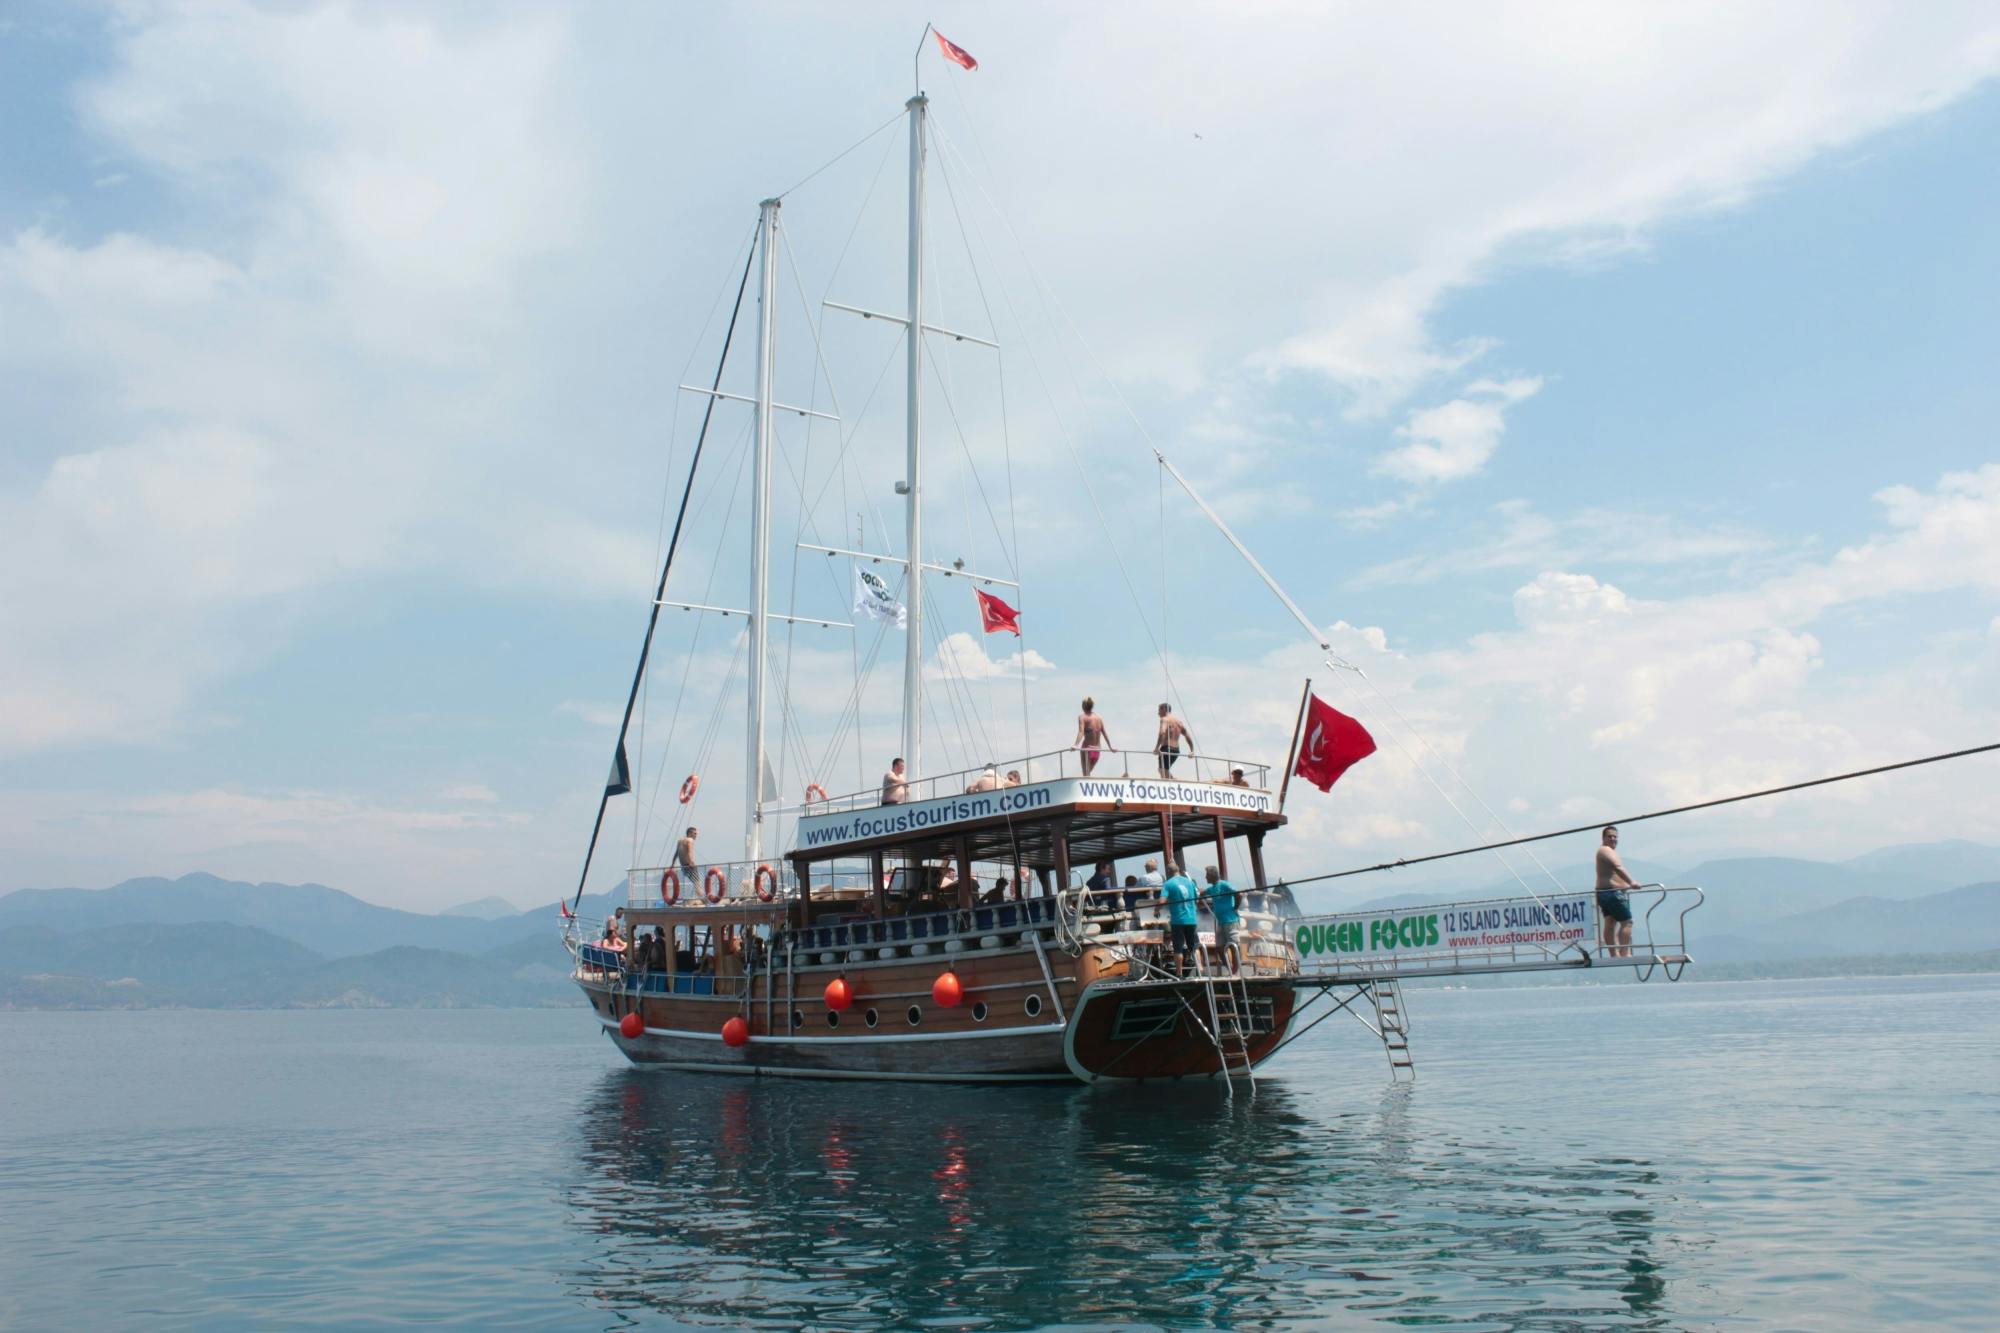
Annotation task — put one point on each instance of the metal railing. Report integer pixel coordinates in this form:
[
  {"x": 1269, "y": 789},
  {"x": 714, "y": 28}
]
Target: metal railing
[{"x": 1049, "y": 766}]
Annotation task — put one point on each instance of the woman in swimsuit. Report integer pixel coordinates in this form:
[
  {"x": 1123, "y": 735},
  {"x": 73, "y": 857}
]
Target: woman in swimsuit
[{"x": 1091, "y": 736}]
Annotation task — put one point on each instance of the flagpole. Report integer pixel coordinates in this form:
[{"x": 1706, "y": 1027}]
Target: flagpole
[
  {"x": 1291, "y": 751},
  {"x": 916, "y": 78}
]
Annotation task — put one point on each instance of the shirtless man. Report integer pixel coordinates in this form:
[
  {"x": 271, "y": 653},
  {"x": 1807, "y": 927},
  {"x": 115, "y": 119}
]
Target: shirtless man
[
  {"x": 1173, "y": 734},
  {"x": 986, "y": 781},
  {"x": 895, "y": 788},
  {"x": 690, "y": 873},
  {"x": 1614, "y": 906},
  {"x": 1092, "y": 737}
]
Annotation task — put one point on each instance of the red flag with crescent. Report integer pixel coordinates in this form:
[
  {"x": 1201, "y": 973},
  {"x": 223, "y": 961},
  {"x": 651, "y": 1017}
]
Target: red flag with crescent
[
  {"x": 1333, "y": 743},
  {"x": 953, "y": 52},
  {"x": 995, "y": 615}
]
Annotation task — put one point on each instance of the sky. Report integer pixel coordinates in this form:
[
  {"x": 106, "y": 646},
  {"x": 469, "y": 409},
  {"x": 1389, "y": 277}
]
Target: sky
[{"x": 1614, "y": 387}]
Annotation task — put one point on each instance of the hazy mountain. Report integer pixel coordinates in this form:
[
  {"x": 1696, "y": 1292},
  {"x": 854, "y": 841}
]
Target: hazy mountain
[
  {"x": 212, "y": 965},
  {"x": 1941, "y": 863},
  {"x": 484, "y": 909},
  {"x": 327, "y": 921}
]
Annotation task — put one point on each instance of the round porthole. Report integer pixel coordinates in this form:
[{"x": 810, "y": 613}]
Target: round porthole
[
  {"x": 832, "y": 1019},
  {"x": 1034, "y": 1005},
  {"x": 979, "y": 1012},
  {"x": 798, "y": 1019},
  {"x": 871, "y": 1018},
  {"x": 916, "y": 1015}
]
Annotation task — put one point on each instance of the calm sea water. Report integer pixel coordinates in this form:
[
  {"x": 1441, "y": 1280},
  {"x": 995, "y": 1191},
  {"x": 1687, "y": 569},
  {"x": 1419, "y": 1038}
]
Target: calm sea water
[{"x": 1806, "y": 1154}]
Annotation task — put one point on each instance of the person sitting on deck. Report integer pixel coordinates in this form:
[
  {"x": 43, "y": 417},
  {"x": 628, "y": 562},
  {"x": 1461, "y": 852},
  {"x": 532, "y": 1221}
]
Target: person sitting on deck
[
  {"x": 1222, "y": 902},
  {"x": 996, "y": 894},
  {"x": 1013, "y": 778},
  {"x": 1179, "y": 894},
  {"x": 1103, "y": 888},
  {"x": 1093, "y": 738},
  {"x": 1236, "y": 779},
  {"x": 895, "y": 787},
  {"x": 989, "y": 780}
]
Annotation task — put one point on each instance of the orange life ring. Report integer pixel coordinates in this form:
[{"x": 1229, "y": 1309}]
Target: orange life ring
[
  {"x": 714, "y": 885},
  {"x": 690, "y": 787},
  {"x": 766, "y": 876},
  {"x": 670, "y": 887},
  {"x": 811, "y": 789}
]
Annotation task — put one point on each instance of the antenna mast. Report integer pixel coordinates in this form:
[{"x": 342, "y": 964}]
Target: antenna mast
[
  {"x": 913, "y": 585},
  {"x": 760, "y": 536}
]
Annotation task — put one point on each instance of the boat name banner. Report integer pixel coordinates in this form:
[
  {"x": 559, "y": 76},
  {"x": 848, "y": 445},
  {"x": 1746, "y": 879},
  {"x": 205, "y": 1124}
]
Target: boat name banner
[
  {"x": 1555, "y": 922},
  {"x": 922, "y": 816}
]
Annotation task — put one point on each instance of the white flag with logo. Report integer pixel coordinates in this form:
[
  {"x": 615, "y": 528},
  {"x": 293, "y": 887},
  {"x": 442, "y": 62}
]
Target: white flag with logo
[{"x": 873, "y": 599}]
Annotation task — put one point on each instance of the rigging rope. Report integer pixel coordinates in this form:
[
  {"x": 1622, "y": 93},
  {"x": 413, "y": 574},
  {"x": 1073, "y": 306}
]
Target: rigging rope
[
  {"x": 666, "y": 567},
  {"x": 1654, "y": 814}
]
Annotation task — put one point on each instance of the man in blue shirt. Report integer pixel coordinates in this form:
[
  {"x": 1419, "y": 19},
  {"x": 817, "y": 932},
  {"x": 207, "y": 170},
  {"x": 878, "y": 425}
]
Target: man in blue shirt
[
  {"x": 1179, "y": 894},
  {"x": 1222, "y": 901}
]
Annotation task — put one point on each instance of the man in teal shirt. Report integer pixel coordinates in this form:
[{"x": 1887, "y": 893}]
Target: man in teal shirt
[
  {"x": 1179, "y": 894},
  {"x": 1222, "y": 901}
]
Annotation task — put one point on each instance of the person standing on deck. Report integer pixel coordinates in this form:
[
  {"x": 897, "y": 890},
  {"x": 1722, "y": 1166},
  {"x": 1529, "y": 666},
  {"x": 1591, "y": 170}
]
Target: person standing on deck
[
  {"x": 1222, "y": 902},
  {"x": 1173, "y": 734},
  {"x": 1092, "y": 737},
  {"x": 1614, "y": 903},
  {"x": 1179, "y": 894},
  {"x": 684, "y": 860},
  {"x": 895, "y": 787}
]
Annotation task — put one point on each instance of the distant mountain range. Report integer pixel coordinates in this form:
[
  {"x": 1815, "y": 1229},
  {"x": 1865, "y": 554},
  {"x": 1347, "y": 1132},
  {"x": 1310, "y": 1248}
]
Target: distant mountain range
[{"x": 208, "y": 942}]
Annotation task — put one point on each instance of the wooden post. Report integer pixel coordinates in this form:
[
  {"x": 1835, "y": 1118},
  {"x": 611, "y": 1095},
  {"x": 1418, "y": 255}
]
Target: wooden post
[
  {"x": 1221, "y": 849},
  {"x": 1286, "y": 784},
  {"x": 967, "y": 890},
  {"x": 802, "y": 871},
  {"x": 1256, "y": 840},
  {"x": 875, "y": 882},
  {"x": 1061, "y": 829},
  {"x": 1167, "y": 840}
]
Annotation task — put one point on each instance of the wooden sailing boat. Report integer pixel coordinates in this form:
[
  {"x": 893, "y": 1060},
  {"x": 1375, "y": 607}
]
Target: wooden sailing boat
[{"x": 865, "y": 949}]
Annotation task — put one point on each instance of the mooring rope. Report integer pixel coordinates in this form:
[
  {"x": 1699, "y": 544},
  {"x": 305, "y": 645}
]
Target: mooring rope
[{"x": 1634, "y": 819}]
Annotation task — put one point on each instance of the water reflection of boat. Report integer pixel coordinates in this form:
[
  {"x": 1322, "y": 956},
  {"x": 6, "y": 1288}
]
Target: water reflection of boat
[{"x": 813, "y": 1205}]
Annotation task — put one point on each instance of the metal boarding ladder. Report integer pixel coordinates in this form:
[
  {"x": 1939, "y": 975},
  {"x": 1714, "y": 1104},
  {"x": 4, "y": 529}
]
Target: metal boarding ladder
[
  {"x": 1392, "y": 1025},
  {"x": 1227, "y": 1025}
]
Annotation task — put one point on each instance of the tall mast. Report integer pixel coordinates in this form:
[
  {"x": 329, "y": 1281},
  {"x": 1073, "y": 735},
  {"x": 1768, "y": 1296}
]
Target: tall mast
[
  {"x": 760, "y": 534},
  {"x": 913, "y": 586}
]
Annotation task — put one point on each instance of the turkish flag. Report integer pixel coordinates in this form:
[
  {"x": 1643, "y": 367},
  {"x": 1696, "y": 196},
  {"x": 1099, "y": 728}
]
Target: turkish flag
[
  {"x": 995, "y": 615},
  {"x": 953, "y": 52},
  {"x": 1333, "y": 743}
]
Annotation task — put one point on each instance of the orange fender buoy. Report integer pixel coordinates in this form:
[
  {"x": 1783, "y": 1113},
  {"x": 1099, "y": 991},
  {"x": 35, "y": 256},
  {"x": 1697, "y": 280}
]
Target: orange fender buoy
[
  {"x": 735, "y": 1032},
  {"x": 839, "y": 995},
  {"x": 631, "y": 1025},
  {"x": 947, "y": 990}
]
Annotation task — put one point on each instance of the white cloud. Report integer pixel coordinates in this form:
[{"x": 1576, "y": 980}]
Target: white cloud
[
  {"x": 961, "y": 655},
  {"x": 596, "y": 714},
  {"x": 1455, "y": 439},
  {"x": 471, "y": 791}
]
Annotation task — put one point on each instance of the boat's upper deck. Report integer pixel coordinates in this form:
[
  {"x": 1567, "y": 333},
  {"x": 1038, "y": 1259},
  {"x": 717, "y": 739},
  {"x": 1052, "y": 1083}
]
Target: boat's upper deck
[{"x": 1017, "y": 811}]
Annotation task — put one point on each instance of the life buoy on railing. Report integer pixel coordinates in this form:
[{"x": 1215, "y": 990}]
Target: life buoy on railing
[
  {"x": 690, "y": 787},
  {"x": 814, "y": 792},
  {"x": 670, "y": 887},
  {"x": 714, "y": 884},
  {"x": 766, "y": 882}
]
